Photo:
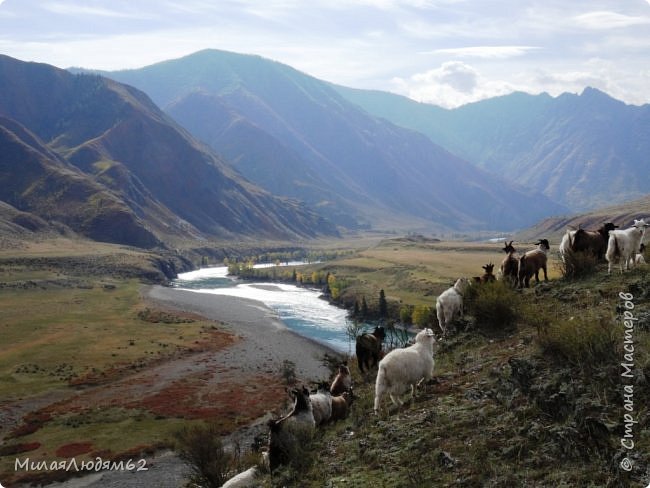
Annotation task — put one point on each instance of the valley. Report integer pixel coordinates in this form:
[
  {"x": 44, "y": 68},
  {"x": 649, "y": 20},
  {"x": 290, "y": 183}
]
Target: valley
[{"x": 146, "y": 364}]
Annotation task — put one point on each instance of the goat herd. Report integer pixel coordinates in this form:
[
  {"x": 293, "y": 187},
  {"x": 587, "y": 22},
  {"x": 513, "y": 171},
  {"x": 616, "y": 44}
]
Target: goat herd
[{"x": 401, "y": 370}]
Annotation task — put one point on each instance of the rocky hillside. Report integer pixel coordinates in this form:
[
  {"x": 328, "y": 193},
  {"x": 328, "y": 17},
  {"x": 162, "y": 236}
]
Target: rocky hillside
[
  {"x": 622, "y": 215},
  {"x": 101, "y": 158},
  {"x": 583, "y": 151},
  {"x": 538, "y": 403}
]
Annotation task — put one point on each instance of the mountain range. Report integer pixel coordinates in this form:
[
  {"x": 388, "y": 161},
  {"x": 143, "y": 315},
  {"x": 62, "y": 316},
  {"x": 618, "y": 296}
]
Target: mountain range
[
  {"x": 297, "y": 136},
  {"x": 229, "y": 146},
  {"x": 101, "y": 158},
  {"x": 583, "y": 151}
]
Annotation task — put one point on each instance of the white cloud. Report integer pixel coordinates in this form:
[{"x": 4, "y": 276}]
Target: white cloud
[
  {"x": 75, "y": 9},
  {"x": 609, "y": 20},
  {"x": 488, "y": 52},
  {"x": 457, "y": 75},
  {"x": 477, "y": 49},
  {"x": 453, "y": 84}
]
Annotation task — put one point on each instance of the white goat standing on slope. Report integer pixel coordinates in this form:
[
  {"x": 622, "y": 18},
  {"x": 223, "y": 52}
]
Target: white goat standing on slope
[
  {"x": 449, "y": 304},
  {"x": 405, "y": 367},
  {"x": 623, "y": 245}
]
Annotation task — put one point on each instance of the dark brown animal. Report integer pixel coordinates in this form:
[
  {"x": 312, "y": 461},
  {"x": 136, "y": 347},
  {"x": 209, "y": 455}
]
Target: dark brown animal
[
  {"x": 368, "y": 348},
  {"x": 289, "y": 431},
  {"x": 593, "y": 241},
  {"x": 488, "y": 277}
]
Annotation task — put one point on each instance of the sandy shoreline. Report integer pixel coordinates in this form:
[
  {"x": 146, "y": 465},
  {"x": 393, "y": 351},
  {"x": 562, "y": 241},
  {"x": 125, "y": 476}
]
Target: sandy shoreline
[
  {"x": 265, "y": 338},
  {"x": 265, "y": 342}
]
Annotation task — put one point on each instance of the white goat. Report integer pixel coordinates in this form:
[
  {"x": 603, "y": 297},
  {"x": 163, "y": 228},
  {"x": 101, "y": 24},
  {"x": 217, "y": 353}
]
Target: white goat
[
  {"x": 405, "y": 367},
  {"x": 245, "y": 479},
  {"x": 639, "y": 259},
  {"x": 623, "y": 245},
  {"x": 321, "y": 403},
  {"x": 449, "y": 304},
  {"x": 566, "y": 244}
]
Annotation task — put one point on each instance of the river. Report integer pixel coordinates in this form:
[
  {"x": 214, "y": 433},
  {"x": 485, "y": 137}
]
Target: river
[{"x": 298, "y": 308}]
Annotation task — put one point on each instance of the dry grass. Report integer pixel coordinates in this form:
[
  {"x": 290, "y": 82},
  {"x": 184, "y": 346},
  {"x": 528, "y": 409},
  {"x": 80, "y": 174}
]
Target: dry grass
[{"x": 414, "y": 273}]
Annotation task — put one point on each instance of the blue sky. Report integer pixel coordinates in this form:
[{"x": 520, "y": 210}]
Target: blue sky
[{"x": 446, "y": 52}]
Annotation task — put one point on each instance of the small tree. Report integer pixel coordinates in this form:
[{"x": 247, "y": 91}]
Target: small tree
[
  {"x": 406, "y": 314},
  {"x": 352, "y": 329},
  {"x": 422, "y": 315},
  {"x": 383, "y": 305},
  {"x": 355, "y": 311},
  {"x": 364, "y": 308},
  {"x": 200, "y": 447}
]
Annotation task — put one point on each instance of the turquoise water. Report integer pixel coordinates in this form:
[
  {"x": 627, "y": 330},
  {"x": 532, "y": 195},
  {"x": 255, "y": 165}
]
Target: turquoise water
[{"x": 300, "y": 309}]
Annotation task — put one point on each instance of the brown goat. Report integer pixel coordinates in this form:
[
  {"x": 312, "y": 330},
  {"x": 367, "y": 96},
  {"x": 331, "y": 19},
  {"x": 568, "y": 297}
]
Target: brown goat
[
  {"x": 368, "y": 348},
  {"x": 342, "y": 382},
  {"x": 593, "y": 241},
  {"x": 488, "y": 277},
  {"x": 531, "y": 262},
  {"x": 510, "y": 264},
  {"x": 341, "y": 405}
]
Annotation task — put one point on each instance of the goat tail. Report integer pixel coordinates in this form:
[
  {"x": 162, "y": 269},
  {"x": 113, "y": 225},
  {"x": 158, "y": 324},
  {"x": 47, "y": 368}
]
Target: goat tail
[
  {"x": 380, "y": 386},
  {"x": 613, "y": 249}
]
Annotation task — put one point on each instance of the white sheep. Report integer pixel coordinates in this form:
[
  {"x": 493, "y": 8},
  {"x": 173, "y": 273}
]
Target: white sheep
[
  {"x": 623, "y": 245},
  {"x": 449, "y": 304},
  {"x": 245, "y": 479},
  {"x": 321, "y": 403},
  {"x": 250, "y": 477},
  {"x": 405, "y": 367}
]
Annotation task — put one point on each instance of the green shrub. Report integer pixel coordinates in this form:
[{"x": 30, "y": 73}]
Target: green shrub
[
  {"x": 584, "y": 342},
  {"x": 422, "y": 316},
  {"x": 577, "y": 265},
  {"x": 292, "y": 446},
  {"x": 200, "y": 447},
  {"x": 493, "y": 305}
]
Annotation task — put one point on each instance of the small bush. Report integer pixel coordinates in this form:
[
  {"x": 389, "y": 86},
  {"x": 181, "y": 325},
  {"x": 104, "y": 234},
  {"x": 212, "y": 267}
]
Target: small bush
[
  {"x": 395, "y": 337},
  {"x": 291, "y": 449},
  {"x": 584, "y": 342},
  {"x": 577, "y": 265},
  {"x": 200, "y": 447},
  {"x": 288, "y": 372},
  {"x": 493, "y": 305}
]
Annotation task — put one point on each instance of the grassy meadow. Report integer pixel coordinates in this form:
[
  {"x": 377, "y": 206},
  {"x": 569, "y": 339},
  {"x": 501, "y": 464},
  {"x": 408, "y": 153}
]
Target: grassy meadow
[
  {"x": 66, "y": 330},
  {"x": 536, "y": 402}
]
